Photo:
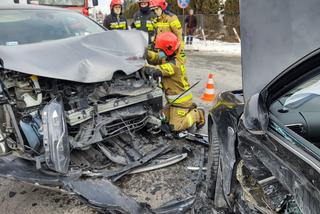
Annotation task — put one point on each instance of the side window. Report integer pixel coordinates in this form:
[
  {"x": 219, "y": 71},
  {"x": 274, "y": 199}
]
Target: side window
[{"x": 299, "y": 109}]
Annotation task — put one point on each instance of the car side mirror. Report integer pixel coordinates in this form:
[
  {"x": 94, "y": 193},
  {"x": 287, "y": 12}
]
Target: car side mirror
[
  {"x": 95, "y": 2},
  {"x": 255, "y": 116}
]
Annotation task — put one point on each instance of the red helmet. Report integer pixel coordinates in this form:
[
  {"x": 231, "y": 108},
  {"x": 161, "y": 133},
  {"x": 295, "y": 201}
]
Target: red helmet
[
  {"x": 159, "y": 3},
  {"x": 167, "y": 42},
  {"x": 114, "y": 3},
  {"x": 143, "y": 1}
]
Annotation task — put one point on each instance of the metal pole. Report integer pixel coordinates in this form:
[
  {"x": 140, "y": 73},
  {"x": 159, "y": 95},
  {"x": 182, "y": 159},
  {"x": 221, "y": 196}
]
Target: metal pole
[{"x": 184, "y": 26}]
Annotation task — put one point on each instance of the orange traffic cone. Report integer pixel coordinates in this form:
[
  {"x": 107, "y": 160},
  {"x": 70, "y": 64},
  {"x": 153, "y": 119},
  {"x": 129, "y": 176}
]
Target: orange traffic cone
[{"x": 210, "y": 93}]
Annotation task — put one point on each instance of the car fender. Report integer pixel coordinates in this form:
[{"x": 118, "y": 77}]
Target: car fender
[{"x": 222, "y": 129}]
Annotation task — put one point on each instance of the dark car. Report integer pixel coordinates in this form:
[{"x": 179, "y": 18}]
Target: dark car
[
  {"x": 72, "y": 98},
  {"x": 264, "y": 152}
]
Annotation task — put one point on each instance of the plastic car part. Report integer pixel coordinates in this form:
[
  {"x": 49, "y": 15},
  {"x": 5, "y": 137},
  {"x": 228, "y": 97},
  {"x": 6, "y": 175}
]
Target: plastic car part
[
  {"x": 113, "y": 157},
  {"x": 158, "y": 164},
  {"x": 116, "y": 175},
  {"x": 176, "y": 207},
  {"x": 201, "y": 139},
  {"x": 13, "y": 121},
  {"x": 3, "y": 147},
  {"x": 30, "y": 126},
  {"x": 77, "y": 117},
  {"x": 117, "y": 122},
  {"x": 104, "y": 196},
  {"x": 134, "y": 165},
  {"x": 55, "y": 136},
  {"x": 30, "y": 100}
]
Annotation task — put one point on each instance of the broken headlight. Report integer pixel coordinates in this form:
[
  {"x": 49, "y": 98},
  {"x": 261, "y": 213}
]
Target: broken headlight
[{"x": 55, "y": 136}]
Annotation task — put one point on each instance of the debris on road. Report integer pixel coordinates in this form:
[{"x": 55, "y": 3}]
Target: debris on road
[
  {"x": 158, "y": 164},
  {"x": 201, "y": 139},
  {"x": 196, "y": 168}
]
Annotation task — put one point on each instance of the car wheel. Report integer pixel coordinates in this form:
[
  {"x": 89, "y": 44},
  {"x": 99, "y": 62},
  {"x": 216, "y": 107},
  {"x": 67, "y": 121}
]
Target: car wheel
[{"x": 213, "y": 158}]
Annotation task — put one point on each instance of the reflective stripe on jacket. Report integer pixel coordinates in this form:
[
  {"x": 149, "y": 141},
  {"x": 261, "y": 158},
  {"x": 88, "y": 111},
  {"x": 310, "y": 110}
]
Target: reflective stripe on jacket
[
  {"x": 114, "y": 22},
  {"x": 144, "y": 21},
  {"x": 174, "y": 80},
  {"x": 180, "y": 98}
]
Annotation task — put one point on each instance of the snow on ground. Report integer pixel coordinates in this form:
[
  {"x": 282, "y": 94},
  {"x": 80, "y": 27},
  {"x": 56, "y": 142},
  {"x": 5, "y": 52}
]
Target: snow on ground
[{"x": 214, "y": 46}]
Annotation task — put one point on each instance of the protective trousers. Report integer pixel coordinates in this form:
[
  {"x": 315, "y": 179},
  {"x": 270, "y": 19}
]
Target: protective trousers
[{"x": 181, "y": 118}]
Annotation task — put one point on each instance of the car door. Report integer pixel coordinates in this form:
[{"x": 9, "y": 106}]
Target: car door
[{"x": 281, "y": 129}]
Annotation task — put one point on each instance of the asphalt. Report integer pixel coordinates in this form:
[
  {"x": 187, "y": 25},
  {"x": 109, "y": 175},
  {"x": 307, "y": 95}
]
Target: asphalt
[{"x": 153, "y": 188}]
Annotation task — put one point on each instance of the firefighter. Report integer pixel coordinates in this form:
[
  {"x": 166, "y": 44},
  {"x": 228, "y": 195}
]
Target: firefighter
[
  {"x": 143, "y": 19},
  {"x": 115, "y": 21},
  {"x": 167, "y": 21},
  {"x": 180, "y": 112}
]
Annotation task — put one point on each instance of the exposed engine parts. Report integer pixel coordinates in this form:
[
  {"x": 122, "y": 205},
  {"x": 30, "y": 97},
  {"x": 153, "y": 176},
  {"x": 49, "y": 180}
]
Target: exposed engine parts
[
  {"x": 52, "y": 118},
  {"x": 76, "y": 136}
]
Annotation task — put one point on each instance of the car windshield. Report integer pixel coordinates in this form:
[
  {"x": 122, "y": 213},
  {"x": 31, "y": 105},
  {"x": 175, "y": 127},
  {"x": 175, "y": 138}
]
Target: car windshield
[
  {"x": 62, "y": 2},
  {"x": 33, "y": 26},
  {"x": 303, "y": 93}
]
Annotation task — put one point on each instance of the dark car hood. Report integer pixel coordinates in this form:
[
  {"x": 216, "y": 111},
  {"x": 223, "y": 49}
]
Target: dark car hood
[
  {"x": 275, "y": 34},
  {"x": 87, "y": 59}
]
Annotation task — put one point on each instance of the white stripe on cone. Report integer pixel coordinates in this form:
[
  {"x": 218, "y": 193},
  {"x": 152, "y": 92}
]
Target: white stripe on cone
[
  {"x": 210, "y": 91},
  {"x": 210, "y": 81}
]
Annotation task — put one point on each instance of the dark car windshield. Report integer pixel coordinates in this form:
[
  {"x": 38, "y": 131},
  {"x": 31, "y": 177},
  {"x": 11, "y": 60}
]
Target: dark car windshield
[
  {"x": 32, "y": 26},
  {"x": 62, "y": 2}
]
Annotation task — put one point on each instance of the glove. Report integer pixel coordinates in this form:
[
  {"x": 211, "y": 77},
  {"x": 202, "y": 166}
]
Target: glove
[
  {"x": 152, "y": 56},
  {"x": 154, "y": 72}
]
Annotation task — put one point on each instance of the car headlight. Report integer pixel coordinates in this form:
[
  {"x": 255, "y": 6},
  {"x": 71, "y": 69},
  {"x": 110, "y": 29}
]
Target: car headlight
[{"x": 55, "y": 136}]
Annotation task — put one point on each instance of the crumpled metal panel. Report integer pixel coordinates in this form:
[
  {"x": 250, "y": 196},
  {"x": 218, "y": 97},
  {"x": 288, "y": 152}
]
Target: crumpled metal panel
[
  {"x": 87, "y": 59},
  {"x": 99, "y": 193},
  {"x": 104, "y": 196}
]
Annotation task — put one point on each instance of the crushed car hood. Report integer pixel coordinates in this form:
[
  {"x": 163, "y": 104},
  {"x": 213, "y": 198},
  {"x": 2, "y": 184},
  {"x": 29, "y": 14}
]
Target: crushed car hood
[
  {"x": 87, "y": 59},
  {"x": 274, "y": 35}
]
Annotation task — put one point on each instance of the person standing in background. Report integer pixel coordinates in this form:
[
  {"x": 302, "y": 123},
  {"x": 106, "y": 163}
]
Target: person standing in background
[
  {"x": 115, "y": 21},
  {"x": 191, "y": 25}
]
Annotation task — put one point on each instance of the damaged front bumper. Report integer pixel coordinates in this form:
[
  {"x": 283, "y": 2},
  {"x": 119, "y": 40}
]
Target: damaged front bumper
[
  {"x": 54, "y": 168},
  {"x": 99, "y": 193}
]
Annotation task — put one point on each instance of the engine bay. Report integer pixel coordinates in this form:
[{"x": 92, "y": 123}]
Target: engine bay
[{"x": 44, "y": 119}]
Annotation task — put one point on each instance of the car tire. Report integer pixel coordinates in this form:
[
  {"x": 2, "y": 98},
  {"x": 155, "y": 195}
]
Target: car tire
[{"x": 213, "y": 159}]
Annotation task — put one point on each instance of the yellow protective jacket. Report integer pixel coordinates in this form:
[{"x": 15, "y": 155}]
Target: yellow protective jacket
[
  {"x": 168, "y": 22},
  {"x": 174, "y": 80}
]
